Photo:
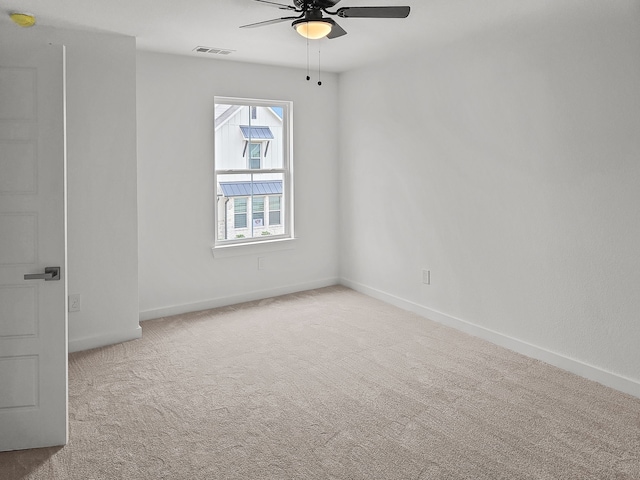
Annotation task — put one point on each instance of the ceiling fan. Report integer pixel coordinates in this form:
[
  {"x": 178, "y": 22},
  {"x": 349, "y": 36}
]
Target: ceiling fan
[{"x": 310, "y": 23}]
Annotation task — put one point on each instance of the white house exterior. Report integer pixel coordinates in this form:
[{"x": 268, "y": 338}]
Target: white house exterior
[{"x": 250, "y": 139}]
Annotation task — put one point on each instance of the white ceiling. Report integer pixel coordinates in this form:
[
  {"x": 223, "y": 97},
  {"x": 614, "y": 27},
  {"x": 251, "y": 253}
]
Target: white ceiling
[{"x": 179, "y": 26}]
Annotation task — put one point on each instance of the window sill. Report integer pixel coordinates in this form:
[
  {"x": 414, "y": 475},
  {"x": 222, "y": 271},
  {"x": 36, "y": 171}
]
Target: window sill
[{"x": 240, "y": 249}]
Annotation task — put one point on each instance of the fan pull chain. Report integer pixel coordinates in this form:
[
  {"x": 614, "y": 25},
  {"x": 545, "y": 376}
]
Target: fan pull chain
[
  {"x": 308, "y": 76},
  {"x": 319, "y": 80}
]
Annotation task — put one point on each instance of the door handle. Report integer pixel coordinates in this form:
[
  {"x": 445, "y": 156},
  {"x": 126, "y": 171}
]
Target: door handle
[{"x": 50, "y": 273}]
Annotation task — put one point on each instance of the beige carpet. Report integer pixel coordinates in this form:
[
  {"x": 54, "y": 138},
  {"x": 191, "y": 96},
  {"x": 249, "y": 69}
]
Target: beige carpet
[{"x": 329, "y": 384}]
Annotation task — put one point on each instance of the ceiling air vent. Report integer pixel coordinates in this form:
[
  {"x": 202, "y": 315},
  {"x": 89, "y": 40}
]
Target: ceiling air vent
[{"x": 213, "y": 50}]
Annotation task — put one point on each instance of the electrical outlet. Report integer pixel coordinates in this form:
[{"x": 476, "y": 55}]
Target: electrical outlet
[
  {"x": 426, "y": 277},
  {"x": 74, "y": 302},
  {"x": 260, "y": 263}
]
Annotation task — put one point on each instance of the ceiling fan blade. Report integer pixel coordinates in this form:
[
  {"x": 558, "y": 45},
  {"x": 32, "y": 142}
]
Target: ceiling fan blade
[
  {"x": 373, "y": 12},
  {"x": 281, "y": 6},
  {"x": 336, "y": 31},
  {"x": 268, "y": 22}
]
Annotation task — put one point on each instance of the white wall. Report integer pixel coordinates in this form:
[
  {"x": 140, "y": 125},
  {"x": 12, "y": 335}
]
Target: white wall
[
  {"x": 507, "y": 163},
  {"x": 175, "y": 184},
  {"x": 101, "y": 182}
]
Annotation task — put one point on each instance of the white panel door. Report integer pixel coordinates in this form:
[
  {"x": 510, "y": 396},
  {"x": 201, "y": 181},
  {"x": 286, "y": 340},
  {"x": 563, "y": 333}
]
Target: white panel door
[{"x": 33, "y": 317}]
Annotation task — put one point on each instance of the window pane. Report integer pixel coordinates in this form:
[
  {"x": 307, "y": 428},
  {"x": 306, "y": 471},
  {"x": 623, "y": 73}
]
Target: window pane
[
  {"x": 258, "y": 212},
  {"x": 240, "y": 213},
  {"x": 274, "y": 210},
  {"x": 240, "y": 205},
  {"x": 250, "y": 205},
  {"x": 229, "y": 141},
  {"x": 255, "y": 150},
  {"x": 274, "y": 218},
  {"x": 240, "y": 221},
  {"x": 273, "y": 153},
  {"x": 239, "y": 137}
]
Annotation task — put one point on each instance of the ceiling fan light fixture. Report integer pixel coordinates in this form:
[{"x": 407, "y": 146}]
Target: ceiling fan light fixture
[
  {"x": 23, "y": 19},
  {"x": 313, "y": 29}
]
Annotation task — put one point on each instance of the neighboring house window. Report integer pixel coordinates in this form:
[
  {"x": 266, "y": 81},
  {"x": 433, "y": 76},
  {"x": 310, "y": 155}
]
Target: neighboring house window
[
  {"x": 239, "y": 213},
  {"x": 258, "y": 211},
  {"x": 255, "y": 155},
  {"x": 274, "y": 210},
  {"x": 252, "y": 170}
]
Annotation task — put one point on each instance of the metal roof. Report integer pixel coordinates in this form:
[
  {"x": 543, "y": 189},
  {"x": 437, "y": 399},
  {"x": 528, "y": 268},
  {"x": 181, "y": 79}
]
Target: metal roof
[
  {"x": 256, "y": 133},
  {"x": 244, "y": 189}
]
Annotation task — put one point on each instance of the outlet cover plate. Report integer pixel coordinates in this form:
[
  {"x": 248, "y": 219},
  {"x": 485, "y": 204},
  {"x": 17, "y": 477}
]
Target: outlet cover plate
[{"x": 74, "y": 302}]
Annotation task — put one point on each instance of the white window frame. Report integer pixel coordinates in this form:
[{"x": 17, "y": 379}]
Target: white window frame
[{"x": 286, "y": 198}]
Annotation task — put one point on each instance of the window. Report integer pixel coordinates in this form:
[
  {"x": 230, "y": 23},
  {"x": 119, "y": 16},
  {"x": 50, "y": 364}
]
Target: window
[
  {"x": 252, "y": 171},
  {"x": 255, "y": 155},
  {"x": 258, "y": 211},
  {"x": 239, "y": 213},
  {"x": 274, "y": 210}
]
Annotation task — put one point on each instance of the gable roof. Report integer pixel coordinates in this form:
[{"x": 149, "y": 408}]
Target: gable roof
[{"x": 224, "y": 112}]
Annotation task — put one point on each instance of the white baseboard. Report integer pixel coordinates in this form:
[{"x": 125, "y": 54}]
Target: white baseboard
[
  {"x": 102, "y": 340},
  {"x": 235, "y": 299},
  {"x": 582, "y": 369}
]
